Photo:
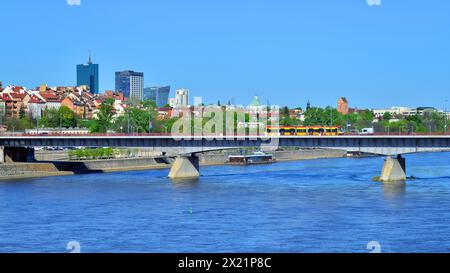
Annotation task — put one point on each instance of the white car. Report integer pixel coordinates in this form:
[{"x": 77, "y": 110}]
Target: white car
[{"x": 367, "y": 131}]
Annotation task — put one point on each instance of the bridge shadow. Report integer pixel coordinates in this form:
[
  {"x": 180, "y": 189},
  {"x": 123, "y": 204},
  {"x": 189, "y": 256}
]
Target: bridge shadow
[
  {"x": 77, "y": 168},
  {"x": 164, "y": 160}
]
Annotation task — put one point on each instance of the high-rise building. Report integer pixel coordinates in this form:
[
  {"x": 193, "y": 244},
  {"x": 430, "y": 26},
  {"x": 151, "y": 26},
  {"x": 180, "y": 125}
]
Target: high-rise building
[
  {"x": 182, "y": 98},
  {"x": 343, "y": 106},
  {"x": 87, "y": 74},
  {"x": 150, "y": 93},
  {"x": 160, "y": 95},
  {"x": 131, "y": 84}
]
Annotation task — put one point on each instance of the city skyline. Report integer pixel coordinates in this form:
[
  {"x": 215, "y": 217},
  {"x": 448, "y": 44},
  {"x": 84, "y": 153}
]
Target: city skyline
[{"x": 369, "y": 55}]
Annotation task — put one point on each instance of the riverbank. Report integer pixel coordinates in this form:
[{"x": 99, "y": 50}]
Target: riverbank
[{"x": 14, "y": 171}]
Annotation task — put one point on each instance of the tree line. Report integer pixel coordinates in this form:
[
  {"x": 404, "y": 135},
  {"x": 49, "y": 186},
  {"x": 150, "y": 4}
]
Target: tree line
[{"x": 142, "y": 118}]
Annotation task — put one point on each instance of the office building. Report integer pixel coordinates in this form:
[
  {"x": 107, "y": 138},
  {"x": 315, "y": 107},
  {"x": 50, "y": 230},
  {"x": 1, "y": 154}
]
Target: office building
[
  {"x": 160, "y": 95},
  {"x": 87, "y": 74},
  {"x": 131, "y": 84}
]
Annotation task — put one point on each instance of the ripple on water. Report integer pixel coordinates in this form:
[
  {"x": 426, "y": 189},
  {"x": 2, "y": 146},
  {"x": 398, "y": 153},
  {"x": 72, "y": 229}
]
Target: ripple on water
[{"x": 329, "y": 205}]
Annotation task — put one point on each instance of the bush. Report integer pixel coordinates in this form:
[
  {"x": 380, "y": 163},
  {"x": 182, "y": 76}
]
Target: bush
[{"x": 91, "y": 154}]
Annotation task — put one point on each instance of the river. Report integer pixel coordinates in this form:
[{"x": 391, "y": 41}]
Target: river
[{"x": 326, "y": 205}]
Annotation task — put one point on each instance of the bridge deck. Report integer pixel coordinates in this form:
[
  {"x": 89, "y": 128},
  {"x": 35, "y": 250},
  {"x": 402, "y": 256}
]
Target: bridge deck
[{"x": 377, "y": 144}]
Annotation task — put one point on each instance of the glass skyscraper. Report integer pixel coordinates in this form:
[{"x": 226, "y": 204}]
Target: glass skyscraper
[
  {"x": 130, "y": 83},
  {"x": 87, "y": 74},
  {"x": 160, "y": 95}
]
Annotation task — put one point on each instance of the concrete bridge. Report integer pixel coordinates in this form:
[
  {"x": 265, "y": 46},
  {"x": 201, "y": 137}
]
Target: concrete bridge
[{"x": 186, "y": 148}]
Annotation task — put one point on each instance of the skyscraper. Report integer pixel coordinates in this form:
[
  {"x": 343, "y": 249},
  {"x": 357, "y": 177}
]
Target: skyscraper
[
  {"x": 160, "y": 95},
  {"x": 150, "y": 93},
  {"x": 131, "y": 84},
  {"x": 87, "y": 74}
]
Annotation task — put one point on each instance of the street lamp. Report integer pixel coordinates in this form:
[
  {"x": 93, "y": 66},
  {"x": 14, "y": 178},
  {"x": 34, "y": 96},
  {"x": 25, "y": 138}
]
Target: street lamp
[
  {"x": 446, "y": 116},
  {"x": 150, "y": 124},
  {"x": 60, "y": 123},
  {"x": 331, "y": 115}
]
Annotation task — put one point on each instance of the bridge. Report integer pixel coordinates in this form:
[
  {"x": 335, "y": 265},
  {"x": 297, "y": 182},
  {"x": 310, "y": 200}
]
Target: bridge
[{"x": 21, "y": 147}]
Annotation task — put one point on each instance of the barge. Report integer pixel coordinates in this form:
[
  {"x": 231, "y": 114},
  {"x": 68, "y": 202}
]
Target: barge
[{"x": 251, "y": 159}]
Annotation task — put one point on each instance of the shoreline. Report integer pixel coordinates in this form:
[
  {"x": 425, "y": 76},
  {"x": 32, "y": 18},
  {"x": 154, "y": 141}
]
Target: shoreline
[{"x": 21, "y": 171}]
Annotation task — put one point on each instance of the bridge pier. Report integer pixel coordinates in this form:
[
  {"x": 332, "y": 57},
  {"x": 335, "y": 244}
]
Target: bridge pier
[
  {"x": 394, "y": 169},
  {"x": 185, "y": 167},
  {"x": 16, "y": 154}
]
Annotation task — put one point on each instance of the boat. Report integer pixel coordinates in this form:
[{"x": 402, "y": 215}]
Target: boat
[{"x": 251, "y": 159}]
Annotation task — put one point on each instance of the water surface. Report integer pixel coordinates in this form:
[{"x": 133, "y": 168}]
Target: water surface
[{"x": 327, "y": 205}]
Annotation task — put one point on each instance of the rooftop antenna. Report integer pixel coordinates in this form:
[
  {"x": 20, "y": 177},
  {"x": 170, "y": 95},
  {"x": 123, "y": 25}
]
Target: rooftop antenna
[{"x": 90, "y": 58}]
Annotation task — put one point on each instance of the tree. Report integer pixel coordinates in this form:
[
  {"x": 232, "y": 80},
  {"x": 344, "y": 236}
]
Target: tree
[
  {"x": 134, "y": 102},
  {"x": 61, "y": 117},
  {"x": 149, "y": 104},
  {"x": 104, "y": 117},
  {"x": 22, "y": 112},
  {"x": 285, "y": 111},
  {"x": 68, "y": 117},
  {"x": 139, "y": 120},
  {"x": 314, "y": 116},
  {"x": 364, "y": 119},
  {"x": 13, "y": 124},
  {"x": 387, "y": 116}
]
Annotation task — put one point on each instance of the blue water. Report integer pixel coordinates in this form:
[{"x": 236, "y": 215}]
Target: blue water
[{"x": 328, "y": 205}]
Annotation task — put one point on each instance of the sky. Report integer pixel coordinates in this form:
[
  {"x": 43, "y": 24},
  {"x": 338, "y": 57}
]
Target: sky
[{"x": 377, "y": 53}]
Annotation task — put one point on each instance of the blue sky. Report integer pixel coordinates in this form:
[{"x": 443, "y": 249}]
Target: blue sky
[{"x": 285, "y": 51}]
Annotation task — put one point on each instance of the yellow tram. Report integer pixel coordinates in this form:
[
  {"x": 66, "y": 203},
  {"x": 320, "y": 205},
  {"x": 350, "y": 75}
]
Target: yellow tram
[{"x": 304, "y": 131}]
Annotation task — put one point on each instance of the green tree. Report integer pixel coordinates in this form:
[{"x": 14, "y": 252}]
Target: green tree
[
  {"x": 22, "y": 112},
  {"x": 364, "y": 119},
  {"x": 69, "y": 118},
  {"x": 61, "y": 117},
  {"x": 315, "y": 116},
  {"x": 104, "y": 118},
  {"x": 387, "y": 116},
  {"x": 149, "y": 104},
  {"x": 139, "y": 120}
]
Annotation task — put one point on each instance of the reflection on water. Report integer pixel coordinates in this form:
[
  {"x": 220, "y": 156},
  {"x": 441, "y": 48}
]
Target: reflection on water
[
  {"x": 184, "y": 183},
  {"x": 395, "y": 191},
  {"x": 329, "y": 205}
]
